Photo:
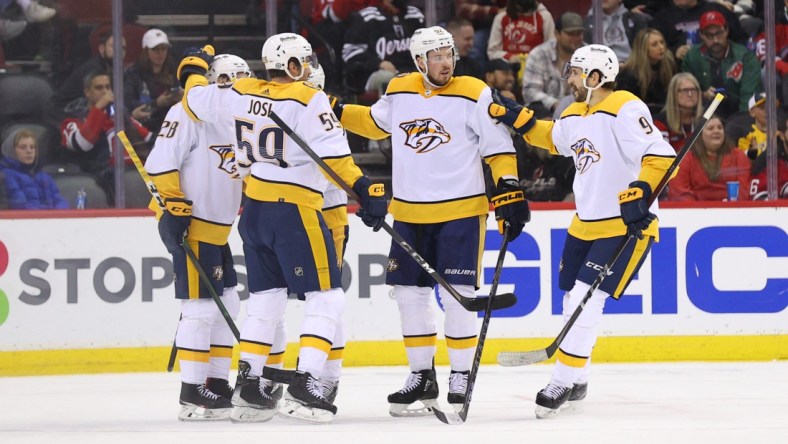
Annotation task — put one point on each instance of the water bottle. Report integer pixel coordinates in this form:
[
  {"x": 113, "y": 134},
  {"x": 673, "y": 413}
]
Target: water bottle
[
  {"x": 692, "y": 37},
  {"x": 145, "y": 98},
  {"x": 751, "y": 45},
  {"x": 81, "y": 198}
]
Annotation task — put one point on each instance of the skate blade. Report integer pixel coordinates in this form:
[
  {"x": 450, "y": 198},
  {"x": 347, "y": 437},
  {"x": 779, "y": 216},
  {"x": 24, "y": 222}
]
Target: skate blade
[
  {"x": 574, "y": 407},
  {"x": 545, "y": 412},
  {"x": 249, "y": 414},
  {"x": 293, "y": 409},
  {"x": 413, "y": 410},
  {"x": 457, "y": 408},
  {"x": 196, "y": 413}
]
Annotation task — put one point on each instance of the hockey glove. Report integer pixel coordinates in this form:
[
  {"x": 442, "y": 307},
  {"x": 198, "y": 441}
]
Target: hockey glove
[
  {"x": 242, "y": 163},
  {"x": 336, "y": 105},
  {"x": 511, "y": 113},
  {"x": 174, "y": 222},
  {"x": 195, "y": 61},
  {"x": 510, "y": 207},
  {"x": 634, "y": 208},
  {"x": 373, "y": 202}
]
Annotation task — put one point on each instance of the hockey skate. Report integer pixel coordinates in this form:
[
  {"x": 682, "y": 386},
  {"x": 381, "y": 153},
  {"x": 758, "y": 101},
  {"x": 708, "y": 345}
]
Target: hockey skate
[
  {"x": 330, "y": 389},
  {"x": 200, "y": 404},
  {"x": 250, "y": 401},
  {"x": 220, "y": 386},
  {"x": 575, "y": 401},
  {"x": 421, "y": 387},
  {"x": 551, "y": 400},
  {"x": 458, "y": 386},
  {"x": 304, "y": 401}
]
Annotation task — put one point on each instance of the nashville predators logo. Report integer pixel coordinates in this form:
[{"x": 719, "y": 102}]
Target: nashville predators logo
[
  {"x": 226, "y": 157},
  {"x": 424, "y": 135},
  {"x": 218, "y": 273},
  {"x": 585, "y": 155}
]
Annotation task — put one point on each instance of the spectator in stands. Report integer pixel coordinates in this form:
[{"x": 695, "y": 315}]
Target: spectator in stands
[
  {"x": 713, "y": 161},
  {"x": 649, "y": 69},
  {"x": 150, "y": 85},
  {"x": 89, "y": 128},
  {"x": 619, "y": 28},
  {"x": 647, "y": 7},
  {"x": 27, "y": 187},
  {"x": 682, "y": 109},
  {"x": 73, "y": 87},
  {"x": 481, "y": 13},
  {"x": 499, "y": 75},
  {"x": 521, "y": 27},
  {"x": 462, "y": 31},
  {"x": 751, "y": 137},
  {"x": 758, "y": 176},
  {"x": 680, "y": 23},
  {"x": 723, "y": 65},
  {"x": 31, "y": 12},
  {"x": 543, "y": 83}
]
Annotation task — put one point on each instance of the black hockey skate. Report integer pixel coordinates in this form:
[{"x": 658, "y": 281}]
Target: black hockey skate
[
  {"x": 421, "y": 386},
  {"x": 330, "y": 389},
  {"x": 273, "y": 389},
  {"x": 304, "y": 401},
  {"x": 200, "y": 404},
  {"x": 551, "y": 399},
  {"x": 220, "y": 386},
  {"x": 575, "y": 402},
  {"x": 458, "y": 386},
  {"x": 250, "y": 401}
]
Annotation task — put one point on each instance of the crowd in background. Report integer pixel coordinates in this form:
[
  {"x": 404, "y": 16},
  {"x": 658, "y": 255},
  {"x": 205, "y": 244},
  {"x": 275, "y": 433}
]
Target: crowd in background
[{"x": 676, "y": 55}]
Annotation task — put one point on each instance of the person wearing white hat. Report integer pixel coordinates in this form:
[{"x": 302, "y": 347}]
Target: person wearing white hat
[{"x": 150, "y": 85}]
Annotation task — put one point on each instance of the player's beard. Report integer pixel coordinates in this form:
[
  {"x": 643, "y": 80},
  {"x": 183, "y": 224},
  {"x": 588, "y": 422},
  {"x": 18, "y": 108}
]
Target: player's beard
[
  {"x": 442, "y": 80},
  {"x": 579, "y": 94}
]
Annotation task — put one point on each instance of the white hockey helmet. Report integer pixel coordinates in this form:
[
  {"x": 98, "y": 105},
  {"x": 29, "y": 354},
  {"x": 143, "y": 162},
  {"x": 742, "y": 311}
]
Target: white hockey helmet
[
  {"x": 429, "y": 39},
  {"x": 591, "y": 58},
  {"x": 317, "y": 77},
  {"x": 228, "y": 65},
  {"x": 280, "y": 48}
]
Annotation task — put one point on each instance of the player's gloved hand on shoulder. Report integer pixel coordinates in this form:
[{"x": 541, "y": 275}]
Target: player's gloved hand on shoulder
[
  {"x": 510, "y": 207},
  {"x": 242, "y": 163},
  {"x": 511, "y": 113},
  {"x": 374, "y": 206},
  {"x": 195, "y": 61},
  {"x": 634, "y": 208},
  {"x": 336, "y": 105},
  {"x": 174, "y": 222}
]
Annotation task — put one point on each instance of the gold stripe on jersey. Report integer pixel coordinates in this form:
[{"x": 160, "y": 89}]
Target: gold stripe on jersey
[
  {"x": 336, "y": 353},
  {"x": 610, "y": 105},
  {"x": 168, "y": 184},
  {"x": 541, "y": 136},
  {"x": 503, "y": 164},
  {"x": 345, "y": 168},
  {"x": 194, "y": 355},
  {"x": 599, "y": 229},
  {"x": 221, "y": 351},
  {"x": 275, "y": 358},
  {"x": 270, "y": 191},
  {"x": 254, "y": 348},
  {"x": 317, "y": 342},
  {"x": 319, "y": 252},
  {"x": 428, "y": 340},
  {"x": 295, "y": 91},
  {"x": 653, "y": 168},
  {"x": 192, "y": 276},
  {"x": 192, "y": 81},
  {"x": 358, "y": 120},
  {"x": 570, "y": 360},
  {"x": 461, "y": 343},
  {"x": 464, "y": 87},
  {"x": 641, "y": 247},
  {"x": 434, "y": 212},
  {"x": 209, "y": 232}
]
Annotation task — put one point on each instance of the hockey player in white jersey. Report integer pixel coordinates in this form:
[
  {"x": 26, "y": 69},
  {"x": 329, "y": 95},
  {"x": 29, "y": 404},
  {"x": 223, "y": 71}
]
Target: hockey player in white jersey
[
  {"x": 440, "y": 129},
  {"x": 286, "y": 242},
  {"x": 193, "y": 167},
  {"x": 620, "y": 158}
]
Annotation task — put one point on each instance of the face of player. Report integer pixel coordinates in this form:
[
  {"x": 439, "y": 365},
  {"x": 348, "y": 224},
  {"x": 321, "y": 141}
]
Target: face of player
[
  {"x": 575, "y": 81},
  {"x": 688, "y": 95},
  {"x": 26, "y": 150},
  {"x": 713, "y": 135},
  {"x": 440, "y": 65},
  {"x": 656, "y": 48}
]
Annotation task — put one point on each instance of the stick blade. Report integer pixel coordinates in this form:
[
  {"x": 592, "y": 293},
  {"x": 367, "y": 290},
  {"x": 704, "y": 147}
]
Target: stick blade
[
  {"x": 449, "y": 417},
  {"x": 499, "y": 302},
  {"x": 278, "y": 375},
  {"x": 514, "y": 359}
]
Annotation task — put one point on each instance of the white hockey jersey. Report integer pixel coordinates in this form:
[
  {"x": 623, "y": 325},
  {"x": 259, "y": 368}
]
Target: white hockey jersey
[
  {"x": 282, "y": 171},
  {"x": 612, "y": 143},
  {"x": 438, "y": 140},
  {"x": 195, "y": 161}
]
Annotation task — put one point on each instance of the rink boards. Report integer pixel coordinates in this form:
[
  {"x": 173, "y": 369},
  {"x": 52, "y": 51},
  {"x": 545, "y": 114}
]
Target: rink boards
[{"x": 95, "y": 294}]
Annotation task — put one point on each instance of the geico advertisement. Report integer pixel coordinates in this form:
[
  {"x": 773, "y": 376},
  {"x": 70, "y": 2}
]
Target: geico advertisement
[{"x": 107, "y": 282}]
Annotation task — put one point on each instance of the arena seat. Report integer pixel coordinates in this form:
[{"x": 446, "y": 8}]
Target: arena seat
[{"x": 70, "y": 183}]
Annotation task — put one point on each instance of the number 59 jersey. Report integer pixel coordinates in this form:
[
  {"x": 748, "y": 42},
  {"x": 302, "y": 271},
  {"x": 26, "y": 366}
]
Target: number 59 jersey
[{"x": 281, "y": 171}]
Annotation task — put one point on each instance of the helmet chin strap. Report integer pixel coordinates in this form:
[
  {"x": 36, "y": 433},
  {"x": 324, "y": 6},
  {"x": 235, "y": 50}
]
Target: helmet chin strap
[{"x": 589, "y": 89}]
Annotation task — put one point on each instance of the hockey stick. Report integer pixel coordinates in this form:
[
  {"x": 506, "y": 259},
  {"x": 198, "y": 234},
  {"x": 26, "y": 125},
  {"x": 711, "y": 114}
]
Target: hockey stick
[
  {"x": 174, "y": 350},
  {"x": 459, "y": 418},
  {"x": 195, "y": 262},
  {"x": 505, "y": 300},
  {"x": 278, "y": 374},
  {"x": 510, "y": 359}
]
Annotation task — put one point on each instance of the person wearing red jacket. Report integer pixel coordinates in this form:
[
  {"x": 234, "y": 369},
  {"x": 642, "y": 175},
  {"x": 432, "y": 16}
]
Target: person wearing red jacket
[{"x": 712, "y": 163}]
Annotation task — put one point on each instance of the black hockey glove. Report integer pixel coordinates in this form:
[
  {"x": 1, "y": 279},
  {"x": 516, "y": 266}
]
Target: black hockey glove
[
  {"x": 174, "y": 222},
  {"x": 511, "y": 113},
  {"x": 195, "y": 61},
  {"x": 336, "y": 105},
  {"x": 634, "y": 208},
  {"x": 374, "y": 207},
  {"x": 510, "y": 207}
]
